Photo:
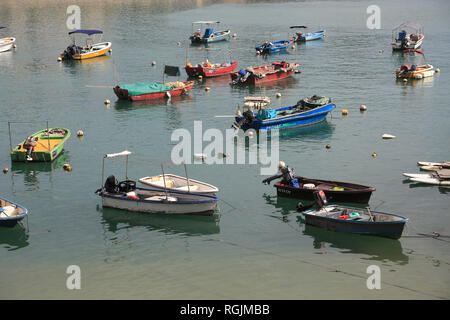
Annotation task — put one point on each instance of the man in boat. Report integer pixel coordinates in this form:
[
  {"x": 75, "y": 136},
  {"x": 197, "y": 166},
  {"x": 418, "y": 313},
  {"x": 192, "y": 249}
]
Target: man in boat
[
  {"x": 287, "y": 175},
  {"x": 29, "y": 145}
]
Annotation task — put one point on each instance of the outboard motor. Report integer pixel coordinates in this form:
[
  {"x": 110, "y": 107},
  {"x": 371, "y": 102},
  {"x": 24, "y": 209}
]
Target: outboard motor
[
  {"x": 111, "y": 184},
  {"x": 127, "y": 186},
  {"x": 247, "y": 118}
]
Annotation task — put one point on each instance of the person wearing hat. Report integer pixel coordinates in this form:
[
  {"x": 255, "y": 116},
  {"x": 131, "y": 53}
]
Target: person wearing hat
[{"x": 286, "y": 173}]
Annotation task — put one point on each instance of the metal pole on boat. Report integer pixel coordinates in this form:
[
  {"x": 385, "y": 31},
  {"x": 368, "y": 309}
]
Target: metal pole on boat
[
  {"x": 126, "y": 169},
  {"x": 48, "y": 140},
  {"x": 103, "y": 170},
  {"x": 187, "y": 178},
  {"x": 9, "y": 132},
  {"x": 164, "y": 179}
]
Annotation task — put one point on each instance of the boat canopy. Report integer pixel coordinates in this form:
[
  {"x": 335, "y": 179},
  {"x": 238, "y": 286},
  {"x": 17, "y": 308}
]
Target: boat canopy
[
  {"x": 414, "y": 25},
  {"x": 113, "y": 155},
  {"x": 205, "y": 22},
  {"x": 88, "y": 32}
]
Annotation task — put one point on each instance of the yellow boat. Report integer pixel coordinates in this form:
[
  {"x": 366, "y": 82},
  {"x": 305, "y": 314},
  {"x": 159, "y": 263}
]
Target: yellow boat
[
  {"x": 89, "y": 50},
  {"x": 414, "y": 71}
]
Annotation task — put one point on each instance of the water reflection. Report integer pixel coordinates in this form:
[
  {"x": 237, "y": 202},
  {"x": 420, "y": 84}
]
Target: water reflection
[
  {"x": 171, "y": 224},
  {"x": 287, "y": 83},
  {"x": 121, "y": 104},
  {"x": 378, "y": 248},
  {"x": 442, "y": 190},
  {"x": 13, "y": 238}
]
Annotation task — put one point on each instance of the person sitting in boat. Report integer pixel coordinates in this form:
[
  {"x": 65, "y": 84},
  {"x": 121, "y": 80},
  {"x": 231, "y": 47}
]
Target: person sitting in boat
[
  {"x": 29, "y": 145},
  {"x": 287, "y": 175},
  {"x": 208, "y": 64}
]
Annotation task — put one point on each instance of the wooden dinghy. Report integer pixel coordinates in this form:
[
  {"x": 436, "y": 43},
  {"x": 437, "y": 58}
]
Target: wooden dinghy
[
  {"x": 176, "y": 183},
  {"x": 209, "y": 70},
  {"x": 352, "y": 220},
  {"x": 45, "y": 145},
  {"x": 152, "y": 90},
  {"x": 91, "y": 48},
  {"x": 263, "y": 74},
  {"x": 439, "y": 177},
  {"x": 11, "y": 213}
]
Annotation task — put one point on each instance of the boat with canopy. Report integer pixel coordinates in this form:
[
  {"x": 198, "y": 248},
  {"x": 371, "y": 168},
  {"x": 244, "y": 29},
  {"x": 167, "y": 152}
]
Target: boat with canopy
[
  {"x": 415, "y": 71},
  {"x": 206, "y": 33},
  {"x": 402, "y": 40},
  {"x": 126, "y": 196},
  {"x": 92, "y": 47},
  {"x": 6, "y": 43}
]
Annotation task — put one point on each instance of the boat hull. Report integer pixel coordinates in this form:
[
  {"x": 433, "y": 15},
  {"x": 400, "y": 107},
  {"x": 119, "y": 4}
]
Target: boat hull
[
  {"x": 312, "y": 36},
  {"x": 218, "y": 36},
  {"x": 392, "y": 229},
  {"x": 198, "y": 187},
  {"x": 361, "y": 195},
  {"x": 420, "y": 73},
  {"x": 206, "y": 205},
  {"x": 210, "y": 72},
  {"x": 98, "y": 50},
  {"x": 123, "y": 93},
  {"x": 12, "y": 220},
  {"x": 6, "y": 44},
  {"x": 19, "y": 153},
  {"x": 254, "y": 80},
  {"x": 397, "y": 45}
]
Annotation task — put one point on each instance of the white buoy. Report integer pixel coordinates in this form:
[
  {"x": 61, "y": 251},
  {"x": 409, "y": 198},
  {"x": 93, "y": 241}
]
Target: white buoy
[
  {"x": 178, "y": 43},
  {"x": 107, "y": 101},
  {"x": 388, "y": 136},
  {"x": 207, "y": 88},
  {"x": 59, "y": 59},
  {"x": 80, "y": 133},
  {"x": 200, "y": 156},
  {"x": 405, "y": 80},
  {"x": 234, "y": 35},
  {"x": 223, "y": 155},
  {"x": 153, "y": 63},
  {"x": 344, "y": 112},
  {"x": 14, "y": 46},
  {"x": 363, "y": 107},
  {"x": 438, "y": 70},
  {"x": 278, "y": 95},
  {"x": 5, "y": 171}
]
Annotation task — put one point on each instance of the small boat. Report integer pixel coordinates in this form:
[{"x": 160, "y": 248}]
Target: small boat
[
  {"x": 6, "y": 44},
  {"x": 336, "y": 191},
  {"x": 91, "y": 49},
  {"x": 11, "y": 213},
  {"x": 176, "y": 183},
  {"x": 272, "y": 47},
  {"x": 406, "y": 40},
  {"x": 126, "y": 196},
  {"x": 208, "y": 70},
  {"x": 45, "y": 145},
  {"x": 414, "y": 71},
  {"x": 258, "y": 102},
  {"x": 263, "y": 74},
  {"x": 139, "y": 91},
  {"x": 352, "y": 220},
  {"x": 444, "y": 164},
  {"x": 439, "y": 177},
  {"x": 209, "y": 35},
  {"x": 310, "y": 36},
  {"x": 304, "y": 113}
]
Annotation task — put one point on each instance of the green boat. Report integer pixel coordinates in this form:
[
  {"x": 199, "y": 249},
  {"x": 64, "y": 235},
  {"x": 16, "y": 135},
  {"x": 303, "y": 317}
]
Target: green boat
[{"x": 46, "y": 145}]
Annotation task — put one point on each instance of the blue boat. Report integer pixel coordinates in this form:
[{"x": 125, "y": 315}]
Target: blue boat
[
  {"x": 11, "y": 213},
  {"x": 303, "y": 37},
  {"x": 304, "y": 113},
  {"x": 272, "y": 47},
  {"x": 208, "y": 35}
]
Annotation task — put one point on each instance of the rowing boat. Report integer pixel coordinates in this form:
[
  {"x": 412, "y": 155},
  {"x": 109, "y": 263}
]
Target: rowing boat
[
  {"x": 11, "y": 213},
  {"x": 440, "y": 177},
  {"x": 263, "y": 74},
  {"x": 44, "y": 145},
  {"x": 173, "y": 182},
  {"x": 139, "y": 91},
  {"x": 7, "y": 43}
]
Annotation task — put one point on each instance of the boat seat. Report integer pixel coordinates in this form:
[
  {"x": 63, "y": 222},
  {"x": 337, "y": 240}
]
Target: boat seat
[
  {"x": 160, "y": 183},
  {"x": 8, "y": 211}
]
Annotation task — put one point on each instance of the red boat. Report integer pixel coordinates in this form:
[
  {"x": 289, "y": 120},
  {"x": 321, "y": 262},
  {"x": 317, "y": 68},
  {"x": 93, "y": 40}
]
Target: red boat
[
  {"x": 207, "y": 70},
  {"x": 262, "y": 74},
  {"x": 179, "y": 88}
]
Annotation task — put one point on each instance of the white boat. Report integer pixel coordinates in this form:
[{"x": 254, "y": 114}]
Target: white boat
[
  {"x": 6, "y": 44},
  {"x": 440, "y": 177},
  {"x": 92, "y": 48},
  {"x": 176, "y": 183},
  {"x": 402, "y": 40},
  {"x": 124, "y": 195},
  {"x": 437, "y": 164}
]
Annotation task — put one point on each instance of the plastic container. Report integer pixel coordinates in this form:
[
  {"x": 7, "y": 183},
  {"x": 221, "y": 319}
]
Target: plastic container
[{"x": 344, "y": 217}]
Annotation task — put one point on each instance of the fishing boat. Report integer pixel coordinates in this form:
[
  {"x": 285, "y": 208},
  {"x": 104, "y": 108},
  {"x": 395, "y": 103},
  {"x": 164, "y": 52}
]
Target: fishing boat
[
  {"x": 402, "y": 40},
  {"x": 304, "y": 113},
  {"x": 272, "y": 47},
  {"x": 440, "y": 177},
  {"x": 91, "y": 48},
  {"x": 209, "y": 70},
  {"x": 11, "y": 213},
  {"x": 208, "y": 35},
  {"x": 173, "y": 182},
  {"x": 263, "y": 74},
  {"x": 336, "y": 191},
  {"x": 126, "y": 196},
  {"x": 7, "y": 43},
  {"x": 310, "y": 36},
  {"x": 414, "y": 71},
  {"x": 45, "y": 145},
  {"x": 139, "y": 91},
  {"x": 351, "y": 219}
]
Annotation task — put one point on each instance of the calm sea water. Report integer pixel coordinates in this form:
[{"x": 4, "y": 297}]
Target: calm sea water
[{"x": 256, "y": 247}]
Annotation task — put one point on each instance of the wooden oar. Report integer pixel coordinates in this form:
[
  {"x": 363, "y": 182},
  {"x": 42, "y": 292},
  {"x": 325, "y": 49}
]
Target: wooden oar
[{"x": 370, "y": 213}]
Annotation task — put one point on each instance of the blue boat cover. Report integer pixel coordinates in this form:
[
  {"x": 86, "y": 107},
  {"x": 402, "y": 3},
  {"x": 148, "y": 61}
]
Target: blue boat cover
[
  {"x": 88, "y": 32},
  {"x": 267, "y": 114}
]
